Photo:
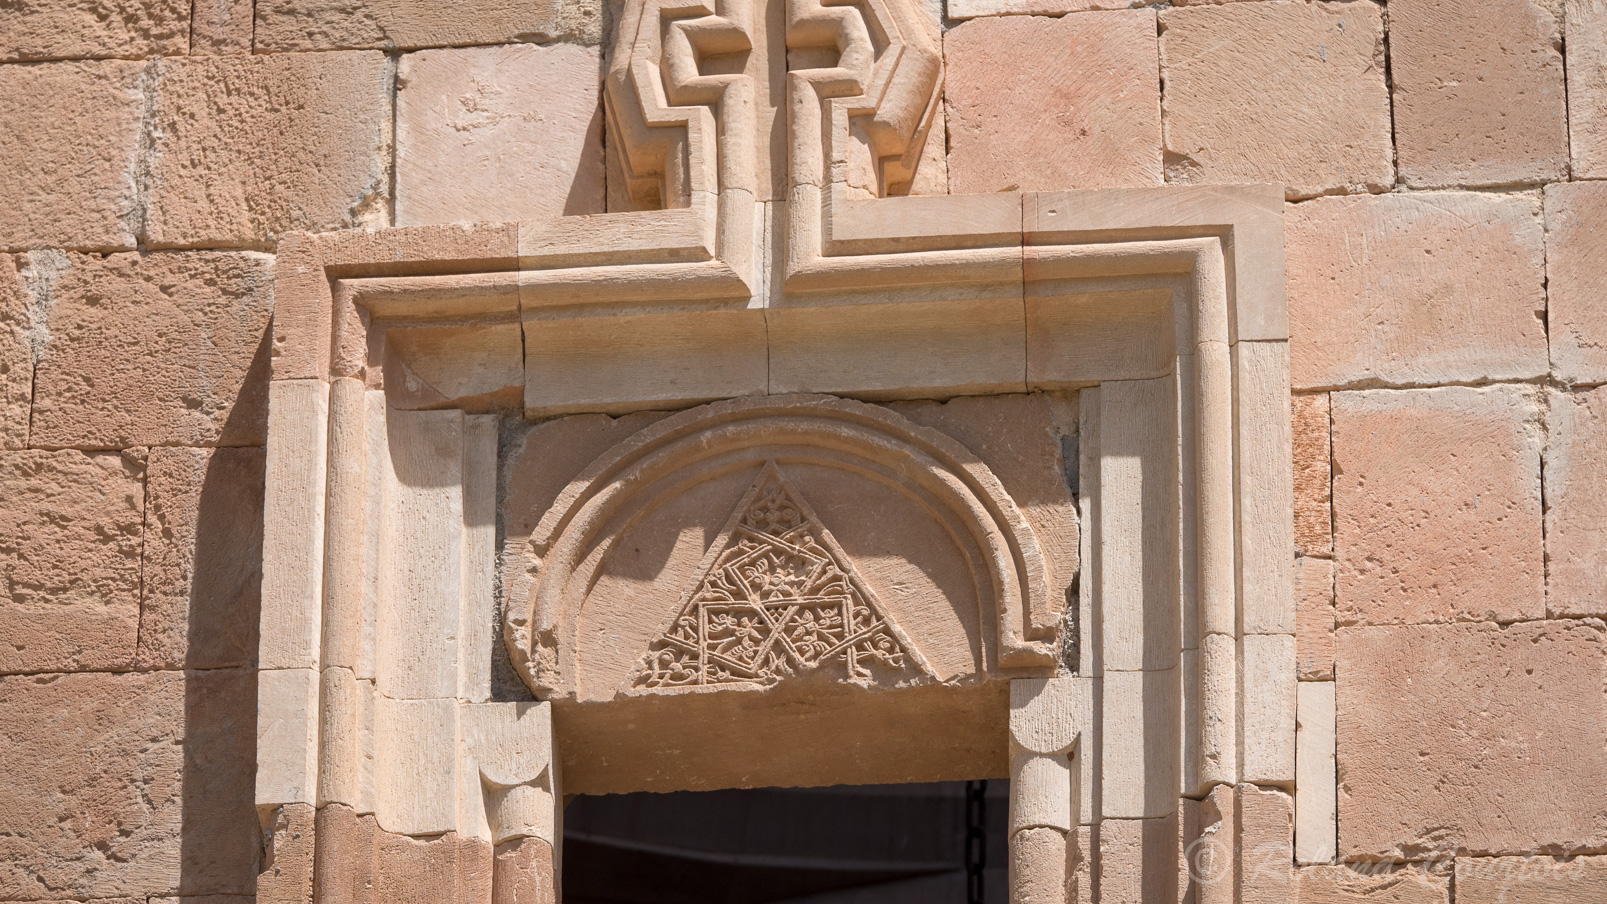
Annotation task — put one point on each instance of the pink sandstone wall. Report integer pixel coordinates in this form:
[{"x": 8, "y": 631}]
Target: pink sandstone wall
[{"x": 1447, "y": 253}]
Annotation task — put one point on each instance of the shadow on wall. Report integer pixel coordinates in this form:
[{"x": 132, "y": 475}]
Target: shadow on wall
[{"x": 221, "y": 843}]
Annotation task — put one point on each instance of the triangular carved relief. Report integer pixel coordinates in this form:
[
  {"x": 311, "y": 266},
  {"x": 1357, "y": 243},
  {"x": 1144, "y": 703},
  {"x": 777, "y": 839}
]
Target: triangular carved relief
[{"x": 776, "y": 597}]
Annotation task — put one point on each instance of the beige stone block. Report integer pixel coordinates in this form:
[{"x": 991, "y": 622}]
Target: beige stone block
[
  {"x": 445, "y": 867},
  {"x": 1586, "y": 49},
  {"x": 1081, "y": 338},
  {"x": 1576, "y": 503},
  {"x": 220, "y": 26},
  {"x": 41, "y": 30},
  {"x": 283, "y": 25},
  {"x": 219, "y": 752},
  {"x": 1219, "y": 710},
  {"x": 1314, "y": 533},
  {"x": 1038, "y": 865},
  {"x": 94, "y": 797},
  {"x": 71, "y": 528},
  {"x": 971, "y": 9},
  {"x": 1576, "y": 280},
  {"x": 1291, "y": 93},
  {"x": 189, "y": 368},
  {"x": 415, "y": 769},
  {"x": 1480, "y": 101},
  {"x": 347, "y": 856},
  {"x": 1265, "y": 845},
  {"x": 1380, "y": 882},
  {"x": 1137, "y": 861},
  {"x": 618, "y": 364},
  {"x": 1411, "y": 289},
  {"x": 498, "y": 134},
  {"x": 1533, "y": 879},
  {"x": 1522, "y": 704},
  {"x": 345, "y": 739},
  {"x": 244, "y": 150},
  {"x": 1316, "y": 789},
  {"x": 17, "y": 333},
  {"x": 201, "y": 584},
  {"x": 287, "y": 736},
  {"x": 1437, "y": 505},
  {"x": 1096, "y": 72},
  {"x": 1136, "y": 536},
  {"x": 1263, "y": 459},
  {"x": 69, "y": 154},
  {"x": 1140, "y": 743},
  {"x": 1314, "y": 622},
  {"x": 898, "y": 350},
  {"x": 293, "y": 525},
  {"x": 524, "y": 873},
  {"x": 288, "y": 856},
  {"x": 1267, "y": 708}
]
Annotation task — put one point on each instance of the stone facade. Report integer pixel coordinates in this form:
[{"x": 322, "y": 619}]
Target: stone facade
[{"x": 197, "y": 198}]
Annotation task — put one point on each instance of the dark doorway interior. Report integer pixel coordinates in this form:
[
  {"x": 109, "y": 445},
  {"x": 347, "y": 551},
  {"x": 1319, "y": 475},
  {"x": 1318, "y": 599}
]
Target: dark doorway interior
[{"x": 849, "y": 844}]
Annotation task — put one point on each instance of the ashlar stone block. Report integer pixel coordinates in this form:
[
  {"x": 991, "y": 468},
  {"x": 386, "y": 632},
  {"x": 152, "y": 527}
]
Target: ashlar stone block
[
  {"x": 1576, "y": 503},
  {"x": 1534, "y": 879},
  {"x": 1039, "y": 104},
  {"x": 494, "y": 134},
  {"x": 283, "y": 25},
  {"x": 1576, "y": 273},
  {"x": 70, "y": 537},
  {"x": 69, "y": 153},
  {"x": 1371, "y": 883},
  {"x": 1314, "y": 619},
  {"x": 155, "y": 349},
  {"x": 1437, "y": 505},
  {"x": 1314, "y": 534},
  {"x": 1478, "y": 92},
  {"x": 250, "y": 146},
  {"x": 1291, "y": 93},
  {"x": 16, "y": 356},
  {"x": 78, "y": 29},
  {"x": 1416, "y": 289},
  {"x": 1474, "y": 738},
  {"x": 1586, "y": 49}
]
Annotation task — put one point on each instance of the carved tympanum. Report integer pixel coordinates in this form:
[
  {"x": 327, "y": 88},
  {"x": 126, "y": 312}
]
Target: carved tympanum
[{"x": 775, "y": 597}]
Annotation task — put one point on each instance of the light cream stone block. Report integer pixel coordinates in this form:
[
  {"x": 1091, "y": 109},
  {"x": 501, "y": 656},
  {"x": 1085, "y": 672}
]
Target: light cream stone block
[
  {"x": 1039, "y": 861},
  {"x": 287, "y": 736},
  {"x": 1576, "y": 503},
  {"x": 478, "y": 569},
  {"x": 1219, "y": 710},
  {"x": 511, "y": 747},
  {"x": 1264, "y": 464},
  {"x": 1316, "y": 790},
  {"x": 1136, "y": 544},
  {"x": 1052, "y": 738},
  {"x": 415, "y": 770},
  {"x": 1137, "y": 861},
  {"x": 964, "y": 346},
  {"x": 1088, "y": 495},
  {"x": 346, "y": 631},
  {"x": 1267, "y": 708},
  {"x": 418, "y": 620},
  {"x": 293, "y": 525},
  {"x": 1315, "y": 622},
  {"x": 1139, "y": 745},
  {"x": 1091, "y": 337},
  {"x": 1586, "y": 48},
  {"x": 1576, "y": 278},
  {"x": 346, "y": 734},
  {"x": 616, "y": 364}
]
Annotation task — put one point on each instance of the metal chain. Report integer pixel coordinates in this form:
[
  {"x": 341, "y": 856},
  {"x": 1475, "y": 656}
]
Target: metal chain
[{"x": 976, "y": 839}]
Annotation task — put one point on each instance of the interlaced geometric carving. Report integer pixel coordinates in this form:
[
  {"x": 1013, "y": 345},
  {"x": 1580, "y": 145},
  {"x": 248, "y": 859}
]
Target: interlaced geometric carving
[{"x": 777, "y": 597}]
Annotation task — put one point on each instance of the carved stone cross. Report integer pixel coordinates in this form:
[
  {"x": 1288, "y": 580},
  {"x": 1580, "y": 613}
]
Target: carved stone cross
[{"x": 773, "y": 269}]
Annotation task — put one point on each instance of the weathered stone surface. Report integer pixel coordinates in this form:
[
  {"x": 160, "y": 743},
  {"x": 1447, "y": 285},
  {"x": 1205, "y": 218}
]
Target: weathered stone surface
[
  {"x": 333, "y": 24},
  {"x": 1530, "y": 880},
  {"x": 202, "y": 564},
  {"x": 1576, "y": 503},
  {"x": 524, "y": 873},
  {"x": 1314, "y": 619},
  {"x": 249, "y": 146},
  {"x": 1291, "y": 93},
  {"x": 1437, "y": 505},
  {"x": 289, "y": 852},
  {"x": 1371, "y": 883},
  {"x": 155, "y": 349},
  {"x": 69, "y": 29},
  {"x": 1576, "y": 274},
  {"x": 70, "y": 531},
  {"x": 221, "y": 840},
  {"x": 1040, "y": 104},
  {"x": 1314, "y": 534},
  {"x": 220, "y": 26},
  {"x": 1266, "y": 844},
  {"x": 16, "y": 356},
  {"x": 1471, "y": 737},
  {"x": 1415, "y": 289},
  {"x": 69, "y": 154},
  {"x": 1478, "y": 92},
  {"x": 1587, "y": 86},
  {"x": 494, "y": 134},
  {"x": 444, "y": 867},
  {"x": 92, "y": 804}
]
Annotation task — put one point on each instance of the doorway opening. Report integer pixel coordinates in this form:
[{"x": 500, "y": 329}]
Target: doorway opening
[{"x": 925, "y": 843}]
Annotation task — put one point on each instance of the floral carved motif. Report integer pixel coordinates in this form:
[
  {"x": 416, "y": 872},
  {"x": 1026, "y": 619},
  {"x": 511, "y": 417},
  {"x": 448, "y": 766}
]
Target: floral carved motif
[{"x": 777, "y": 597}]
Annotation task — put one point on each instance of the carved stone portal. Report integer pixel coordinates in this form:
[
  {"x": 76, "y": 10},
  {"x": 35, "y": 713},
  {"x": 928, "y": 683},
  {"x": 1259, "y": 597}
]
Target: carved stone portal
[{"x": 893, "y": 488}]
